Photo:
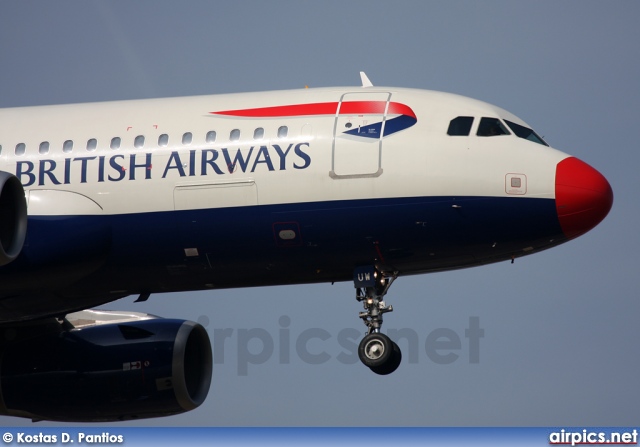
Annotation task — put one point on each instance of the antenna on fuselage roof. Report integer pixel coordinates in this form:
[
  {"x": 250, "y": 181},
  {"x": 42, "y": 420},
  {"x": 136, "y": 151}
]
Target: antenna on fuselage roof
[{"x": 365, "y": 80}]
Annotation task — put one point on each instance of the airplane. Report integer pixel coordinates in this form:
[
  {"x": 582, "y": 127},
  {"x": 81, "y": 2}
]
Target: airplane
[{"x": 106, "y": 200}]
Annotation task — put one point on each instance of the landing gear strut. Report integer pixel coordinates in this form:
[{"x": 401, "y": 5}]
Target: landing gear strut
[{"x": 376, "y": 350}]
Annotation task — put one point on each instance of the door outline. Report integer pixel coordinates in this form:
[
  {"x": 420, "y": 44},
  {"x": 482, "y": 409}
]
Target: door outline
[{"x": 337, "y": 137}]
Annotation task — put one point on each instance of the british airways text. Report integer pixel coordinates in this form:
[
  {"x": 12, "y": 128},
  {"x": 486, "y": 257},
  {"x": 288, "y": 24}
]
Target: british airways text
[{"x": 182, "y": 163}]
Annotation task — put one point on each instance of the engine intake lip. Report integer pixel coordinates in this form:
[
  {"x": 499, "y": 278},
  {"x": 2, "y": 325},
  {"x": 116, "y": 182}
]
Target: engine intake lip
[
  {"x": 13, "y": 217},
  {"x": 192, "y": 365}
]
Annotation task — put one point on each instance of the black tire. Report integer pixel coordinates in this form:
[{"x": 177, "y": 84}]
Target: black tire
[
  {"x": 392, "y": 364},
  {"x": 375, "y": 350}
]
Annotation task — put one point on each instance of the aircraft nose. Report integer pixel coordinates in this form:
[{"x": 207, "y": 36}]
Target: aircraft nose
[{"x": 583, "y": 197}]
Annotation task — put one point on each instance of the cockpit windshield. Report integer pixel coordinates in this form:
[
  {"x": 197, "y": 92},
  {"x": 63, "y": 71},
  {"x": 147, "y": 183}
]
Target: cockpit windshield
[
  {"x": 525, "y": 132},
  {"x": 491, "y": 127}
]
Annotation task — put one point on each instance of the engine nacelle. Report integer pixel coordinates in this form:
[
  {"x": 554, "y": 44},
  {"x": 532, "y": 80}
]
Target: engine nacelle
[
  {"x": 107, "y": 372},
  {"x": 13, "y": 217}
]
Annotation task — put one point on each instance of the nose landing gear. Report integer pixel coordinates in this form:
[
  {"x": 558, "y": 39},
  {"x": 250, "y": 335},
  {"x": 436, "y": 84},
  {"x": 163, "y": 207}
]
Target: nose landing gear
[{"x": 376, "y": 350}]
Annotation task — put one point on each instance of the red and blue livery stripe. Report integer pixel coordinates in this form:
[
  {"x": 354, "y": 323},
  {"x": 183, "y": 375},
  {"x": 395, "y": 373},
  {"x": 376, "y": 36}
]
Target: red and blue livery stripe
[{"x": 403, "y": 119}]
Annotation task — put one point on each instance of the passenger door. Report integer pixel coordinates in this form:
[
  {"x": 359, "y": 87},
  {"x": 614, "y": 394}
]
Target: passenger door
[{"x": 357, "y": 135}]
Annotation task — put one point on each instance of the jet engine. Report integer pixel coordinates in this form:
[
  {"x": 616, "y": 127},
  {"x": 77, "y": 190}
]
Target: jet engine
[
  {"x": 106, "y": 366},
  {"x": 13, "y": 217}
]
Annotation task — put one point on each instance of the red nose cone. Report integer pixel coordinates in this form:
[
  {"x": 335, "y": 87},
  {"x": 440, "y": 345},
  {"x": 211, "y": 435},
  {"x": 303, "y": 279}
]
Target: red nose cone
[{"x": 583, "y": 197}]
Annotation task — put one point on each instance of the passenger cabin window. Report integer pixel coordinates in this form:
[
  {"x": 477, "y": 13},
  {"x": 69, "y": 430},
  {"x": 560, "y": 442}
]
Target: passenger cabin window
[
  {"x": 258, "y": 134},
  {"x": 283, "y": 131},
  {"x": 67, "y": 146},
  {"x": 163, "y": 140},
  {"x": 44, "y": 148},
  {"x": 92, "y": 144},
  {"x": 187, "y": 137},
  {"x": 139, "y": 142},
  {"x": 460, "y": 126},
  {"x": 235, "y": 135},
  {"x": 491, "y": 127},
  {"x": 525, "y": 132},
  {"x": 21, "y": 148},
  {"x": 211, "y": 136},
  {"x": 115, "y": 143}
]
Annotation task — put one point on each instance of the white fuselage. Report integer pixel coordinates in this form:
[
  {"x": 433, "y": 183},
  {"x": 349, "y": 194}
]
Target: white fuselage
[{"x": 420, "y": 161}]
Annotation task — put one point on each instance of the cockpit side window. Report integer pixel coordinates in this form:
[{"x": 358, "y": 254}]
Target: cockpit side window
[
  {"x": 460, "y": 126},
  {"x": 491, "y": 127},
  {"x": 525, "y": 132}
]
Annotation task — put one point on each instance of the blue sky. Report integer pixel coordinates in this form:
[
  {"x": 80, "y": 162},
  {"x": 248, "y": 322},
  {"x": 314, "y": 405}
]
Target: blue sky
[{"x": 560, "y": 344}]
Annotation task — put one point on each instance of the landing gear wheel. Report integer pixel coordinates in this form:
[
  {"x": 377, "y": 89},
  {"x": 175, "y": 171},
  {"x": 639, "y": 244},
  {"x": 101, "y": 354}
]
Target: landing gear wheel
[
  {"x": 375, "y": 350},
  {"x": 392, "y": 364}
]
